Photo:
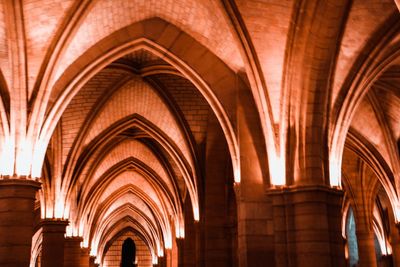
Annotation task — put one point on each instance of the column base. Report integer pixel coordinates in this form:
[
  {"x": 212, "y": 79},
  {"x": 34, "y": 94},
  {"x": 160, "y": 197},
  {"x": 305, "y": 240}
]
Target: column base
[{"x": 307, "y": 226}]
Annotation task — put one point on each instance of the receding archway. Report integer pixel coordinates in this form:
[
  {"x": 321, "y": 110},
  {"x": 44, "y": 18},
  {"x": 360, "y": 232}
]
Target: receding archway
[{"x": 128, "y": 253}]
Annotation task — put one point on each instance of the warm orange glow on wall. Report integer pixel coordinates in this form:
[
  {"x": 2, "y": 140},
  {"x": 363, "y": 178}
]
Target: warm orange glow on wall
[
  {"x": 24, "y": 157},
  {"x": 396, "y": 211},
  {"x": 93, "y": 249},
  {"x": 168, "y": 240},
  {"x": 7, "y": 157},
  {"x": 196, "y": 213},
  {"x": 154, "y": 258},
  {"x": 59, "y": 209},
  {"x": 38, "y": 159},
  {"x": 277, "y": 169},
  {"x": 334, "y": 172},
  {"x": 389, "y": 249},
  {"x": 180, "y": 228},
  {"x": 237, "y": 175},
  {"x": 69, "y": 231},
  {"x": 160, "y": 251}
]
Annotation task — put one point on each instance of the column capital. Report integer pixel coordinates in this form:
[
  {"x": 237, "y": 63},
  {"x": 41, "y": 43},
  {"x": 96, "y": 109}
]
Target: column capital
[
  {"x": 73, "y": 241},
  {"x": 74, "y": 238},
  {"x": 298, "y": 188},
  {"x": 85, "y": 251},
  {"x": 18, "y": 188},
  {"x": 53, "y": 225},
  {"x": 309, "y": 193}
]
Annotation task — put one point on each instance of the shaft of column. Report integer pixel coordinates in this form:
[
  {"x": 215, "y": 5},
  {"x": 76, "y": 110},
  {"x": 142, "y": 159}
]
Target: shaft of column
[
  {"x": 17, "y": 199},
  {"x": 85, "y": 257},
  {"x": 72, "y": 251},
  {"x": 366, "y": 248},
  {"x": 53, "y": 231}
]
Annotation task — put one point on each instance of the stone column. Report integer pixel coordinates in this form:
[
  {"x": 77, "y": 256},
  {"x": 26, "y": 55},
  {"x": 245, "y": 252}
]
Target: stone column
[
  {"x": 255, "y": 239},
  {"x": 85, "y": 257},
  {"x": 396, "y": 253},
  {"x": 255, "y": 230},
  {"x": 189, "y": 243},
  {"x": 53, "y": 231},
  {"x": 366, "y": 247},
  {"x": 17, "y": 199},
  {"x": 307, "y": 227},
  {"x": 162, "y": 261},
  {"x": 394, "y": 239},
  {"x": 72, "y": 251},
  {"x": 168, "y": 257},
  {"x": 179, "y": 244}
]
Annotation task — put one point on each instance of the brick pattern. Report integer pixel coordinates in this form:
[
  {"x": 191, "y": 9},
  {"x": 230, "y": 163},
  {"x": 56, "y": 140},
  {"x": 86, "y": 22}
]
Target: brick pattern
[
  {"x": 366, "y": 123},
  {"x": 190, "y": 101},
  {"x": 135, "y": 149},
  {"x": 138, "y": 97},
  {"x": 41, "y": 23},
  {"x": 81, "y": 105},
  {"x": 126, "y": 149},
  {"x": 134, "y": 178},
  {"x": 141, "y": 58},
  {"x": 134, "y": 200},
  {"x": 357, "y": 32},
  {"x": 113, "y": 255},
  {"x": 268, "y": 25},
  {"x": 391, "y": 107},
  {"x": 204, "y": 20}
]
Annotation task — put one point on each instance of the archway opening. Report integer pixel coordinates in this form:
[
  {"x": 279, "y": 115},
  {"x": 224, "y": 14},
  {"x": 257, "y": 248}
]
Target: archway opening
[
  {"x": 351, "y": 239},
  {"x": 128, "y": 253}
]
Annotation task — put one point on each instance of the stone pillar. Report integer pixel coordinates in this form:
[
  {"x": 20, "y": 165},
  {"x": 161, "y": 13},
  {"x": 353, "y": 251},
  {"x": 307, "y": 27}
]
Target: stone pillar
[
  {"x": 17, "y": 199},
  {"x": 189, "y": 251},
  {"x": 386, "y": 261},
  {"x": 255, "y": 230},
  {"x": 162, "y": 261},
  {"x": 366, "y": 247},
  {"x": 53, "y": 231},
  {"x": 85, "y": 257},
  {"x": 396, "y": 253},
  {"x": 307, "y": 227},
  {"x": 72, "y": 251},
  {"x": 179, "y": 245},
  {"x": 394, "y": 239},
  {"x": 168, "y": 257}
]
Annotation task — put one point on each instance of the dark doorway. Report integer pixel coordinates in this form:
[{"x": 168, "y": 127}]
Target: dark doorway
[{"x": 128, "y": 254}]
